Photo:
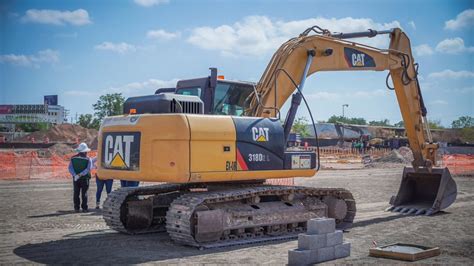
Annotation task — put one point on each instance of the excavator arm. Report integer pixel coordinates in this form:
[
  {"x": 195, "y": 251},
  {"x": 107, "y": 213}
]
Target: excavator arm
[
  {"x": 305, "y": 55},
  {"x": 334, "y": 54}
]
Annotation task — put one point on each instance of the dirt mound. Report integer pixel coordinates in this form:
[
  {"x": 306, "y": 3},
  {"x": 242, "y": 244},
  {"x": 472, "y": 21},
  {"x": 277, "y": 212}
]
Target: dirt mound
[
  {"x": 402, "y": 155},
  {"x": 69, "y": 133},
  {"x": 61, "y": 149}
]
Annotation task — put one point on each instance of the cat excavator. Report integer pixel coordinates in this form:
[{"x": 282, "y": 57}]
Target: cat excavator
[{"x": 211, "y": 143}]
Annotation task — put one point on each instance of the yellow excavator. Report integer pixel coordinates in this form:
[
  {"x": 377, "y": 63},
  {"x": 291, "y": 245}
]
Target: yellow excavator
[{"x": 212, "y": 143}]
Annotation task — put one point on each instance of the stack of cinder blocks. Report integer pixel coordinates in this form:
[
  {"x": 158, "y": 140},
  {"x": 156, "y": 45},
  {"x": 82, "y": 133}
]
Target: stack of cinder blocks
[{"x": 320, "y": 243}]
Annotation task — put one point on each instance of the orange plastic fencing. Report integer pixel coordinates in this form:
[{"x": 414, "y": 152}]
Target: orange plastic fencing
[
  {"x": 459, "y": 164},
  {"x": 25, "y": 165},
  {"x": 349, "y": 153}
]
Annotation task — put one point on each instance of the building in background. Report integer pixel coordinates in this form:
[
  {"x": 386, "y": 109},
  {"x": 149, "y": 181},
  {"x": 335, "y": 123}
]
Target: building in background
[
  {"x": 33, "y": 113},
  {"x": 49, "y": 112}
]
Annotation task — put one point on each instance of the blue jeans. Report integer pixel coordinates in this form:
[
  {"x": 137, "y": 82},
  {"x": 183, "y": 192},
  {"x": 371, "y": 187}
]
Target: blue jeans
[
  {"x": 100, "y": 186},
  {"x": 125, "y": 183}
]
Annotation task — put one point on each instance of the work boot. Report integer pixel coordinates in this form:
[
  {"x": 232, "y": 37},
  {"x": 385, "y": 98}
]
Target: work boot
[
  {"x": 85, "y": 210},
  {"x": 77, "y": 210},
  {"x": 97, "y": 205}
]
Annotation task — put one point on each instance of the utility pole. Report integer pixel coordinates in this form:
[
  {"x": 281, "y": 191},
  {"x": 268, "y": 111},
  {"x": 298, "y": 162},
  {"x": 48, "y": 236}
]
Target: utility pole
[{"x": 344, "y": 105}]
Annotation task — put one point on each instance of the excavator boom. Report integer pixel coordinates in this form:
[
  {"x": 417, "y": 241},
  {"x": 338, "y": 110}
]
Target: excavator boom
[{"x": 424, "y": 189}]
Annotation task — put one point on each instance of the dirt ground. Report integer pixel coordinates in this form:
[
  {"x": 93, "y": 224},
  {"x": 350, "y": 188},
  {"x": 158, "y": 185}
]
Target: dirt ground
[{"x": 38, "y": 226}]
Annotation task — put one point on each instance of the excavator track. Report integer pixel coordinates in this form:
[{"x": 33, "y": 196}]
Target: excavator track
[
  {"x": 182, "y": 208},
  {"x": 183, "y": 215},
  {"x": 113, "y": 209}
]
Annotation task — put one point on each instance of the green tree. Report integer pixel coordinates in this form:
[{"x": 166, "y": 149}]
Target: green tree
[
  {"x": 347, "y": 120},
  {"x": 88, "y": 121},
  {"x": 32, "y": 127},
  {"x": 300, "y": 126},
  {"x": 435, "y": 124},
  {"x": 382, "y": 123},
  {"x": 399, "y": 124},
  {"x": 463, "y": 122},
  {"x": 108, "y": 105},
  {"x": 467, "y": 134}
]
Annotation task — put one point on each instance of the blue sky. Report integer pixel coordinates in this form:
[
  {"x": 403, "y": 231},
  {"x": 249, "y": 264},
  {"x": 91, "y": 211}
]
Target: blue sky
[{"x": 82, "y": 49}]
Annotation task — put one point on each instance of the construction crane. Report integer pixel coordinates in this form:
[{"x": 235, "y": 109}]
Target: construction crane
[{"x": 214, "y": 142}]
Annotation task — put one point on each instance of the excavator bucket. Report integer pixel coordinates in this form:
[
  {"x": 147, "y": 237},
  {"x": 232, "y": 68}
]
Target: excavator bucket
[{"x": 424, "y": 192}]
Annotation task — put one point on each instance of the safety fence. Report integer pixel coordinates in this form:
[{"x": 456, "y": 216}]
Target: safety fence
[
  {"x": 25, "y": 165},
  {"x": 341, "y": 153},
  {"x": 459, "y": 164}
]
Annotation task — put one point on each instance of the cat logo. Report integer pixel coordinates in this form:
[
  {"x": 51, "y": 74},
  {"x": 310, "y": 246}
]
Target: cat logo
[
  {"x": 260, "y": 134},
  {"x": 356, "y": 58},
  {"x": 121, "y": 150}
]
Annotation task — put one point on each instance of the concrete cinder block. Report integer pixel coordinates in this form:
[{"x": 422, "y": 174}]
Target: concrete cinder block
[
  {"x": 299, "y": 257},
  {"x": 334, "y": 239},
  {"x": 320, "y": 226},
  {"x": 342, "y": 250},
  {"x": 311, "y": 242},
  {"x": 325, "y": 254}
]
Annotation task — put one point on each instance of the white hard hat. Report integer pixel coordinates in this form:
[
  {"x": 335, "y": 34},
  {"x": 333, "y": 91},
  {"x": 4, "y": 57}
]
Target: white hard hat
[{"x": 82, "y": 148}]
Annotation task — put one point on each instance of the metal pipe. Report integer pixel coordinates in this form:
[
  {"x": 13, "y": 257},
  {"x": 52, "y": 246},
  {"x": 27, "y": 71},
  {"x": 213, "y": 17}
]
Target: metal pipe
[
  {"x": 369, "y": 33},
  {"x": 296, "y": 98}
]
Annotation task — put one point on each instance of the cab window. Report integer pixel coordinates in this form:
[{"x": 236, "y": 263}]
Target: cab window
[
  {"x": 196, "y": 91},
  {"x": 230, "y": 98}
]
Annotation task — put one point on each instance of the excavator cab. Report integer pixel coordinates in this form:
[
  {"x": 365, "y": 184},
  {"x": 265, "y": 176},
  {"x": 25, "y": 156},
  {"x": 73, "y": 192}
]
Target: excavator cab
[
  {"x": 220, "y": 97},
  {"x": 424, "y": 192}
]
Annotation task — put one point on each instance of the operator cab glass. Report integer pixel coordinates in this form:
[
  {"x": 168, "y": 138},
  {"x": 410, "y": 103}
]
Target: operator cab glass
[
  {"x": 230, "y": 98},
  {"x": 195, "y": 91}
]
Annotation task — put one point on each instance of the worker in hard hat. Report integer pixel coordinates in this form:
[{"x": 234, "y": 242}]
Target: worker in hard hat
[{"x": 80, "y": 168}]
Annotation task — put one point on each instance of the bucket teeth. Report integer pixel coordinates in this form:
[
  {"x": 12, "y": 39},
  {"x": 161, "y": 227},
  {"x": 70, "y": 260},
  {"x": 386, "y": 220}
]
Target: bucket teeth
[
  {"x": 420, "y": 211},
  {"x": 426, "y": 190},
  {"x": 430, "y": 212}
]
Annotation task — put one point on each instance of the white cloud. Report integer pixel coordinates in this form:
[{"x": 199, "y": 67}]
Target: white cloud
[
  {"x": 439, "y": 102},
  {"x": 146, "y": 87},
  {"x": 367, "y": 94},
  {"x": 77, "y": 17},
  {"x": 450, "y": 74},
  {"x": 412, "y": 24},
  {"x": 464, "y": 19},
  {"x": 463, "y": 90},
  {"x": 453, "y": 46},
  {"x": 43, "y": 56},
  {"x": 120, "y": 48},
  {"x": 150, "y": 3},
  {"x": 162, "y": 35},
  {"x": 81, "y": 93},
  {"x": 256, "y": 35},
  {"x": 423, "y": 49},
  {"x": 72, "y": 35},
  {"x": 325, "y": 95},
  {"x": 141, "y": 88}
]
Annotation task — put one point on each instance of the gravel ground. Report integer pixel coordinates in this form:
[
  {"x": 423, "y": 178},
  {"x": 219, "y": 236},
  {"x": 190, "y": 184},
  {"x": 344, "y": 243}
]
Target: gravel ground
[{"x": 38, "y": 226}]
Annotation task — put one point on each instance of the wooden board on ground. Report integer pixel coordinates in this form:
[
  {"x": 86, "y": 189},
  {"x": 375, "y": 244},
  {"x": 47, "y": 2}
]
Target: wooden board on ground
[{"x": 407, "y": 252}]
